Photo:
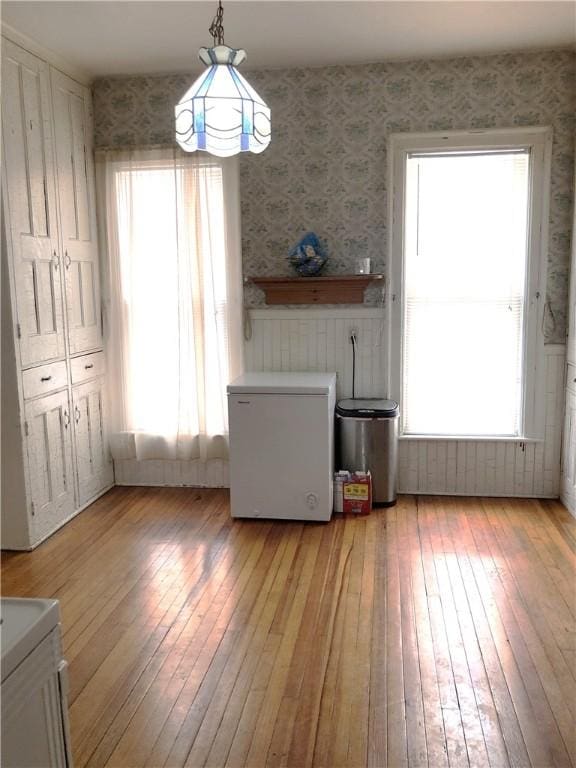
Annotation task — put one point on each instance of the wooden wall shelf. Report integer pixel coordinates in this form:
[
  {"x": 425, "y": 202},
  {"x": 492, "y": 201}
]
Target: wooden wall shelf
[{"x": 328, "y": 289}]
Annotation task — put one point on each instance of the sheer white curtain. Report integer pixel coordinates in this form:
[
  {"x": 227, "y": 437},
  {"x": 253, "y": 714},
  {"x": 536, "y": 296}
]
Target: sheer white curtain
[{"x": 173, "y": 300}]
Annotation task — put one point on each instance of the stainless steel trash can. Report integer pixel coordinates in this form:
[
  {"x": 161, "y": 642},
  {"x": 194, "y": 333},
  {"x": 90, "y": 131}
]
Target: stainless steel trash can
[{"x": 367, "y": 439}]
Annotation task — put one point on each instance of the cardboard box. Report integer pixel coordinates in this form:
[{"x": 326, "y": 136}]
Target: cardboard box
[{"x": 357, "y": 492}]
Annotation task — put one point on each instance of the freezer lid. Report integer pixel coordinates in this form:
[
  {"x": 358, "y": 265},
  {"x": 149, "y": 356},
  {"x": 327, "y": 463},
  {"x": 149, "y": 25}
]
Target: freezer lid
[
  {"x": 367, "y": 408},
  {"x": 283, "y": 383}
]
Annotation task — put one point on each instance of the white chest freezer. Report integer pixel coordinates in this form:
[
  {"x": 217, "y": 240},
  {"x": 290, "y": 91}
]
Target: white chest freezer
[{"x": 282, "y": 445}]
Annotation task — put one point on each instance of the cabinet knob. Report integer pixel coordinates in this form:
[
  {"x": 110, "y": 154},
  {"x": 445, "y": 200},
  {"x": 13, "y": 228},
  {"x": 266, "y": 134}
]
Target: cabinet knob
[
  {"x": 45, "y": 378},
  {"x": 67, "y": 260},
  {"x": 87, "y": 367},
  {"x": 77, "y": 414},
  {"x": 55, "y": 260}
]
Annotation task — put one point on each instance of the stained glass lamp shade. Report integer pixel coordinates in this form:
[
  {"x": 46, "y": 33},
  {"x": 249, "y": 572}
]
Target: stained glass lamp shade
[{"x": 221, "y": 113}]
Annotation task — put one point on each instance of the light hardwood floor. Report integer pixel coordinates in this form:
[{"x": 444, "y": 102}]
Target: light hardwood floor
[{"x": 436, "y": 633}]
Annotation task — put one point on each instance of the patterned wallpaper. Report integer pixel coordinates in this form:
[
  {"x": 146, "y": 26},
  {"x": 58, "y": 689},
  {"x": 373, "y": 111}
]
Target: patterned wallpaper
[{"x": 326, "y": 168}]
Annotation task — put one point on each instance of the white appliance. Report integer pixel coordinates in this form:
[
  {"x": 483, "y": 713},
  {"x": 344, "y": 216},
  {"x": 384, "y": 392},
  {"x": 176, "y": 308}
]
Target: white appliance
[
  {"x": 35, "y": 730},
  {"x": 282, "y": 445}
]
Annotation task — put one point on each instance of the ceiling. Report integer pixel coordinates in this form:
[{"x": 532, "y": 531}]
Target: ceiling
[{"x": 158, "y": 36}]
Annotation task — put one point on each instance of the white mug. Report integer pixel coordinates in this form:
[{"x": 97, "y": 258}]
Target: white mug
[{"x": 363, "y": 266}]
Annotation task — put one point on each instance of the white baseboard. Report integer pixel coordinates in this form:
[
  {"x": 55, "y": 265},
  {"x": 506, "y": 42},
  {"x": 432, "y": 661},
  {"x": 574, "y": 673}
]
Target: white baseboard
[
  {"x": 464, "y": 494},
  {"x": 175, "y": 474}
]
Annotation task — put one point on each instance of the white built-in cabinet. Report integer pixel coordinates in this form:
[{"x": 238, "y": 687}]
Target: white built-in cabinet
[
  {"x": 568, "y": 476},
  {"x": 54, "y": 450}
]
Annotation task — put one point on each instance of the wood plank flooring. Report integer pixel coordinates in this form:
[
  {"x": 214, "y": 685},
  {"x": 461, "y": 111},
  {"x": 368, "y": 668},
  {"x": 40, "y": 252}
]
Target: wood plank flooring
[{"x": 439, "y": 633}]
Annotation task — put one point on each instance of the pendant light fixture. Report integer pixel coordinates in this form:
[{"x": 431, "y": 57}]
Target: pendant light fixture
[{"x": 221, "y": 113}]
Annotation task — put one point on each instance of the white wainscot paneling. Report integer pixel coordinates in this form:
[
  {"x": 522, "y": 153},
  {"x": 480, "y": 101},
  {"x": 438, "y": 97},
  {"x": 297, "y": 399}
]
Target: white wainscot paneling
[
  {"x": 319, "y": 340},
  {"x": 492, "y": 467},
  {"x": 199, "y": 474}
]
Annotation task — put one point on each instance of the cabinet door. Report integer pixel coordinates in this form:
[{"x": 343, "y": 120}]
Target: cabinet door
[
  {"x": 73, "y": 127},
  {"x": 49, "y": 443},
  {"x": 30, "y": 204},
  {"x": 569, "y": 448},
  {"x": 571, "y": 343},
  {"x": 93, "y": 464}
]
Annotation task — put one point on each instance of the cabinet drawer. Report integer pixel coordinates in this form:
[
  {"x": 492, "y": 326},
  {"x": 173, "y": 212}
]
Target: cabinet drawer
[
  {"x": 87, "y": 367},
  {"x": 571, "y": 377},
  {"x": 45, "y": 379}
]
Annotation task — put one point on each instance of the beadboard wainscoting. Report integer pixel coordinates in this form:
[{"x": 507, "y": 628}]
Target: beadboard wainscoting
[
  {"x": 492, "y": 467},
  {"x": 319, "y": 340},
  {"x": 203, "y": 474}
]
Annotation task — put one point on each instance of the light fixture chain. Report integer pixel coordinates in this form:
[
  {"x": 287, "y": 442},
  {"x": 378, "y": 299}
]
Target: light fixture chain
[{"x": 217, "y": 28}]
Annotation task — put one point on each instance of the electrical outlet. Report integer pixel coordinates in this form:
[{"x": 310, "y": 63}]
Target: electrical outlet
[{"x": 353, "y": 332}]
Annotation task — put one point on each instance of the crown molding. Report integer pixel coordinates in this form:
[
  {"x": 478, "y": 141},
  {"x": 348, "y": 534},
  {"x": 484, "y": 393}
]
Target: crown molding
[{"x": 48, "y": 55}]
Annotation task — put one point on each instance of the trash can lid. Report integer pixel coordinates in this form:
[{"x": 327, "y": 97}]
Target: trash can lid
[{"x": 369, "y": 407}]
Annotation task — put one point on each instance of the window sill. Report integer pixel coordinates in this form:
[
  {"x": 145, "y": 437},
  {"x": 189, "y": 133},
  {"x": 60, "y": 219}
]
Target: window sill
[{"x": 473, "y": 438}]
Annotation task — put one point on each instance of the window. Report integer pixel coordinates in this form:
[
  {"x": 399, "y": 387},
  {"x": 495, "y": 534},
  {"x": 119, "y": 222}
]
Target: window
[
  {"x": 467, "y": 271},
  {"x": 175, "y": 302}
]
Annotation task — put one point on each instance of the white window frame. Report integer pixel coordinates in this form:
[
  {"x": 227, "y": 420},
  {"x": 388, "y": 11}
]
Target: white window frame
[{"x": 539, "y": 141}]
